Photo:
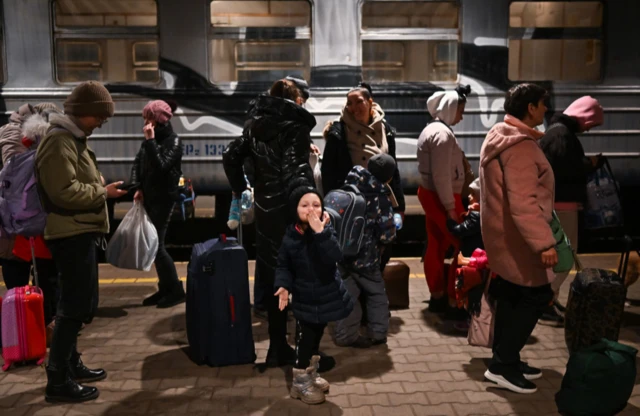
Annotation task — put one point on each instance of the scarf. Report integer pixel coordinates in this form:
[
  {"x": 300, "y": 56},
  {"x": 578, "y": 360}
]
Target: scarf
[{"x": 365, "y": 141}]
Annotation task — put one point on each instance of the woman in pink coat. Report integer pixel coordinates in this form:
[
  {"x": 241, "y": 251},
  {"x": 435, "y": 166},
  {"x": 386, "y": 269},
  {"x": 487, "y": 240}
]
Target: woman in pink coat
[{"x": 517, "y": 188}]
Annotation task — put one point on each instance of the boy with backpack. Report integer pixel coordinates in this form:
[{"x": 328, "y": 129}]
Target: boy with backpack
[{"x": 361, "y": 273}]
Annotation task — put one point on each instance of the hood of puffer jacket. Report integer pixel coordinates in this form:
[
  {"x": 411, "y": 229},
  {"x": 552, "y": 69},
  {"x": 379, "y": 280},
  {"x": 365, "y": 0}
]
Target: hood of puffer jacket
[
  {"x": 443, "y": 105},
  {"x": 269, "y": 115},
  {"x": 23, "y": 112},
  {"x": 365, "y": 181},
  {"x": 501, "y": 137},
  {"x": 35, "y": 128}
]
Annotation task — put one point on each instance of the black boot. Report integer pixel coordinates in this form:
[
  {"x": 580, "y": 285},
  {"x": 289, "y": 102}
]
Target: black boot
[
  {"x": 80, "y": 373},
  {"x": 153, "y": 299},
  {"x": 62, "y": 389},
  {"x": 281, "y": 356}
]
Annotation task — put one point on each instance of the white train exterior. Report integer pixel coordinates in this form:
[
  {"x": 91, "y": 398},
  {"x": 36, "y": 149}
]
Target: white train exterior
[{"x": 213, "y": 57}]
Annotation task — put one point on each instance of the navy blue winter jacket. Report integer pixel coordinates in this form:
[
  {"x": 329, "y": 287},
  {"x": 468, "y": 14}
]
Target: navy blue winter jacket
[{"x": 307, "y": 269}]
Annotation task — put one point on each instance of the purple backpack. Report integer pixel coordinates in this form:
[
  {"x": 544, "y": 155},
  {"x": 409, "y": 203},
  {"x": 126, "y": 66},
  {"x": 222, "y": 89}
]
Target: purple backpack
[{"x": 21, "y": 211}]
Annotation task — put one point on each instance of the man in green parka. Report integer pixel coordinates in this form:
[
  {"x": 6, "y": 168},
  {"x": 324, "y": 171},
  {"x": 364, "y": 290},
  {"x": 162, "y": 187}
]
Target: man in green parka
[{"x": 75, "y": 199}]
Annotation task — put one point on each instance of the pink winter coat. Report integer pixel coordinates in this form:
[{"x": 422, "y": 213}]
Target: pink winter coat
[{"x": 517, "y": 203}]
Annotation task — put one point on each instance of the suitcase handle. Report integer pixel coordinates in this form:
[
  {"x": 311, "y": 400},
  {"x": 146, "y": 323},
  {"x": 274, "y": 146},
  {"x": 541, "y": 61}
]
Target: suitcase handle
[{"x": 232, "y": 308}]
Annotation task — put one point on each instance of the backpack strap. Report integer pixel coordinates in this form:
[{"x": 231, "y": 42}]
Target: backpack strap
[{"x": 351, "y": 188}]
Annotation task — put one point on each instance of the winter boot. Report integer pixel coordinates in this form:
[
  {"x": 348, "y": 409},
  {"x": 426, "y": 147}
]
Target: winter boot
[
  {"x": 319, "y": 382},
  {"x": 303, "y": 387},
  {"x": 80, "y": 373},
  {"x": 62, "y": 389}
]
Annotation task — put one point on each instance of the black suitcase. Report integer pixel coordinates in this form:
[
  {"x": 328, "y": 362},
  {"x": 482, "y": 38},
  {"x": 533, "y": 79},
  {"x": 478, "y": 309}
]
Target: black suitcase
[
  {"x": 218, "y": 306},
  {"x": 596, "y": 305}
]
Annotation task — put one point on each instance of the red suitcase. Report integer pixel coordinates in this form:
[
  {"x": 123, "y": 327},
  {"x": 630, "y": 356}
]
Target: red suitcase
[{"x": 23, "y": 331}]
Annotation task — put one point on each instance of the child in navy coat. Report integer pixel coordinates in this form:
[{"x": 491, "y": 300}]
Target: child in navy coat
[{"x": 307, "y": 268}]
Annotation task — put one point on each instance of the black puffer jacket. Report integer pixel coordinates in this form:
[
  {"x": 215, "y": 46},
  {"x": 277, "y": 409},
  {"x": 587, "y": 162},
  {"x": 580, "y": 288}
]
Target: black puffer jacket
[
  {"x": 468, "y": 232},
  {"x": 337, "y": 163},
  {"x": 568, "y": 161},
  {"x": 158, "y": 166},
  {"x": 276, "y": 138},
  {"x": 307, "y": 269}
]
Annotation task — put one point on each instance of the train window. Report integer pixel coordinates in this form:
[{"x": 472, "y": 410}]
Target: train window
[
  {"x": 259, "y": 41},
  {"x": 419, "y": 14},
  {"x": 106, "y": 40},
  {"x": 409, "y": 41},
  {"x": 104, "y": 13},
  {"x": 538, "y": 51},
  {"x": 555, "y": 14}
]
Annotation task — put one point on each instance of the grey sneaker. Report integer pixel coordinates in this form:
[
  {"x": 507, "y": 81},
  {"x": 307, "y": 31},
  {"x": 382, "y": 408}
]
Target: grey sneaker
[
  {"x": 304, "y": 388},
  {"x": 320, "y": 382}
]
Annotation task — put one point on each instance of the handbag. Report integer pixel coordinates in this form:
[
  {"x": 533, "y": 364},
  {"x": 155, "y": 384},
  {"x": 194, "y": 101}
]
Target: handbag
[
  {"x": 482, "y": 324},
  {"x": 563, "y": 246}
]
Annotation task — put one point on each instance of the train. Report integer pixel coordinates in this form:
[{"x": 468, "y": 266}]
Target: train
[{"x": 213, "y": 57}]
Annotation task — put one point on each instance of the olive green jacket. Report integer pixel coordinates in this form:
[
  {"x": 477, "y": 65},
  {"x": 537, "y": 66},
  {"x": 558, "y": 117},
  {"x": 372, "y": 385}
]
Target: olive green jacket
[{"x": 69, "y": 182}]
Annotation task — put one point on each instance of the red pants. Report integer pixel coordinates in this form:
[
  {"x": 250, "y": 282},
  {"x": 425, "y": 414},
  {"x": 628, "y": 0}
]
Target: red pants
[{"x": 439, "y": 239}]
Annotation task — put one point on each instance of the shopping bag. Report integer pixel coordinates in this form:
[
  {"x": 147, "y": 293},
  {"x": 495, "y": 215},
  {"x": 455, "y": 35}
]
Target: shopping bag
[{"x": 134, "y": 245}]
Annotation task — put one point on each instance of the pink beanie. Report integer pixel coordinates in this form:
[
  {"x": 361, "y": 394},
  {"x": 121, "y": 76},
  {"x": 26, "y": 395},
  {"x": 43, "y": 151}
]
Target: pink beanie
[
  {"x": 587, "y": 111},
  {"x": 157, "y": 110}
]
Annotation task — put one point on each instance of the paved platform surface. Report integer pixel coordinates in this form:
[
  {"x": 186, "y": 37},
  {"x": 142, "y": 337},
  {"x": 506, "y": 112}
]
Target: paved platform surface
[{"x": 426, "y": 368}]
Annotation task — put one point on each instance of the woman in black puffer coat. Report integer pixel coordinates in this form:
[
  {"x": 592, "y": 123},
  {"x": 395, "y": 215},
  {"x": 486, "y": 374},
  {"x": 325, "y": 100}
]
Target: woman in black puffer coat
[
  {"x": 277, "y": 139},
  {"x": 158, "y": 169}
]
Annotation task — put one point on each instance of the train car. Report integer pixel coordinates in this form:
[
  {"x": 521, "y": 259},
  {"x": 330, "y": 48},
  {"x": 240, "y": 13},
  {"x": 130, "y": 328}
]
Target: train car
[{"x": 213, "y": 57}]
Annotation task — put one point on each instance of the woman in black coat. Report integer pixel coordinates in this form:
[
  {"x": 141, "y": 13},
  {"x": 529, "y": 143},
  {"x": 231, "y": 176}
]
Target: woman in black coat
[
  {"x": 277, "y": 140},
  {"x": 359, "y": 133},
  {"x": 157, "y": 169},
  {"x": 571, "y": 169}
]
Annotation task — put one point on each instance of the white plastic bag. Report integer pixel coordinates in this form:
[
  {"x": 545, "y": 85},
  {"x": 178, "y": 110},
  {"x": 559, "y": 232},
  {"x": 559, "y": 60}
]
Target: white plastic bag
[
  {"x": 134, "y": 245},
  {"x": 314, "y": 160}
]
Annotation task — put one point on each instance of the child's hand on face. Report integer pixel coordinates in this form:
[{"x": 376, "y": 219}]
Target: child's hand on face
[
  {"x": 283, "y": 295},
  {"x": 314, "y": 222}
]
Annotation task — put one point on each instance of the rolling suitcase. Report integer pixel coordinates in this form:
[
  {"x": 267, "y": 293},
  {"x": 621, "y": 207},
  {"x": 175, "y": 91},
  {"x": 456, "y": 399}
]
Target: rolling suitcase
[
  {"x": 396, "y": 282},
  {"x": 595, "y": 306},
  {"x": 23, "y": 330},
  {"x": 219, "y": 327}
]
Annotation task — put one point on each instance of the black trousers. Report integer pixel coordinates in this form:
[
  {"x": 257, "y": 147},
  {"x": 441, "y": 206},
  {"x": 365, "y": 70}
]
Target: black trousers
[
  {"x": 270, "y": 228},
  {"x": 517, "y": 312},
  {"x": 308, "y": 338},
  {"x": 76, "y": 258},
  {"x": 168, "y": 280},
  {"x": 277, "y": 325},
  {"x": 17, "y": 273}
]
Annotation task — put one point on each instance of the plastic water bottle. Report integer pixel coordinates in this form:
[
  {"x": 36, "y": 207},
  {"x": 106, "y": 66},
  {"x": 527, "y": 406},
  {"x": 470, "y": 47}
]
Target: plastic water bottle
[
  {"x": 245, "y": 201},
  {"x": 397, "y": 220}
]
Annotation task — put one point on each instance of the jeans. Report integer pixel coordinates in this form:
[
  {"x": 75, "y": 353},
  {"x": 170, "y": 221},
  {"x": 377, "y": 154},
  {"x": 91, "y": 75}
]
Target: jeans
[
  {"x": 517, "y": 311},
  {"x": 77, "y": 260},
  {"x": 16, "y": 273},
  {"x": 308, "y": 338},
  {"x": 168, "y": 280}
]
